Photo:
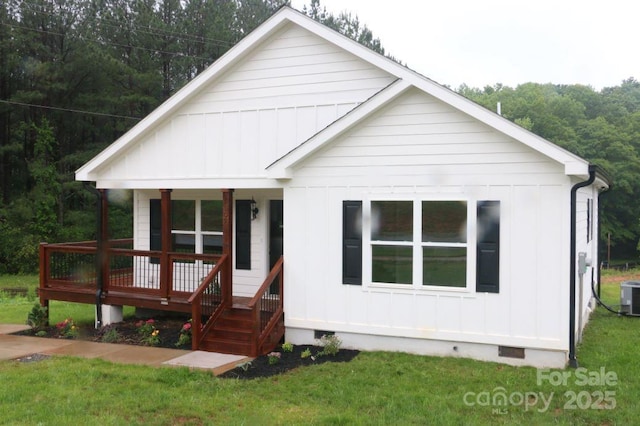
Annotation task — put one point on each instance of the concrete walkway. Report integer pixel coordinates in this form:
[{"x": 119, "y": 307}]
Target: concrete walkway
[{"x": 17, "y": 347}]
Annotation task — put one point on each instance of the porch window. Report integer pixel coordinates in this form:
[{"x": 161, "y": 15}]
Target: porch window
[
  {"x": 197, "y": 226},
  {"x": 419, "y": 243}
]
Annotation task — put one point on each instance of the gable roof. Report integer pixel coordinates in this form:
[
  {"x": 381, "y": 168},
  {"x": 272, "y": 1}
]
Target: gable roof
[{"x": 406, "y": 78}]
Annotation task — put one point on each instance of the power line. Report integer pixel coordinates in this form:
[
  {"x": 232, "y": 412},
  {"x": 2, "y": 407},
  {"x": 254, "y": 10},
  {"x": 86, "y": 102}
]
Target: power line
[{"x": 77, "y": 111}]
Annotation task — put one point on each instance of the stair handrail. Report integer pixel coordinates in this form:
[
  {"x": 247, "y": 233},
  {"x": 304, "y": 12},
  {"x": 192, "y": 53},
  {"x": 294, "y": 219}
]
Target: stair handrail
[
  {"x": 198, "y": 330},
  {"x": 260, "y": 330}
]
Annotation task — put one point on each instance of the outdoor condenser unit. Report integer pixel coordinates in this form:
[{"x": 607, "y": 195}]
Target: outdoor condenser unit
[{"x": 630, "y": 297}]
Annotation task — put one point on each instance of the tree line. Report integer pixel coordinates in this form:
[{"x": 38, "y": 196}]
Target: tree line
[
  {"x": 76, "y": 74},
  {"x": 601, "y": 126}
]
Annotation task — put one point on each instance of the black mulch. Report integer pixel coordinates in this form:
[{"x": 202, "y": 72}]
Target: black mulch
[
  {"x": 127, "y": 332},
  {"x": 260, "y": 367}
]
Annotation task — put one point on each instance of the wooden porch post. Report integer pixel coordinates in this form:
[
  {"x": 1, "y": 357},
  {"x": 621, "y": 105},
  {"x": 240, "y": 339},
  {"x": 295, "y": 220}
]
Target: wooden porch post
[
  {"x": 227, "y": 241},
  {"x": 165, "y": 209}
]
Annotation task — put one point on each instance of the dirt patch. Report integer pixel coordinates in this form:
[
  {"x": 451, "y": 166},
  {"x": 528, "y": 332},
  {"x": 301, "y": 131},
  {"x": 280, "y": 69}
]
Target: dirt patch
[{"x": 33, "y": 358}]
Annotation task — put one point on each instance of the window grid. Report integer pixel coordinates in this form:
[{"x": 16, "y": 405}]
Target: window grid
[{"x": 418, "y": 248}]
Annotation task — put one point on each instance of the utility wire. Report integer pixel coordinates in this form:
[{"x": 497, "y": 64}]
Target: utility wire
[{"x": 77, "y": 111}]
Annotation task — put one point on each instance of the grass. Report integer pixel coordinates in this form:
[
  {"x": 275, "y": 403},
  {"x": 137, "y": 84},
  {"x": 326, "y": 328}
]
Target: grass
[
  {"x": 14, "y": 309},
  {"x": 374, "y": 388}
]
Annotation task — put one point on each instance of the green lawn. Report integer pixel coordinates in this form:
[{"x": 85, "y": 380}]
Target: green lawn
[{"x": 374, "y": 388}]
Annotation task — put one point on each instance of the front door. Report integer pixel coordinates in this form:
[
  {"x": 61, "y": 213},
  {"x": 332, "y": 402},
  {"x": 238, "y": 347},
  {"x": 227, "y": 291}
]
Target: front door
[{"x": 276, "y": 228}]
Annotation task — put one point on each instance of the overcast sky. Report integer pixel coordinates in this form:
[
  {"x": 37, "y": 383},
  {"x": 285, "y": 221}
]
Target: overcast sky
[{"x": 484, "y": 42}]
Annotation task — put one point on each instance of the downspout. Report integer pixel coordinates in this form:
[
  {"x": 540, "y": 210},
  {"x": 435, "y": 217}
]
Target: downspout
[
  {"x": 598, "y": 224},
  {"x": 99, "y": 254},
  {"x": 573, "y": 362}
]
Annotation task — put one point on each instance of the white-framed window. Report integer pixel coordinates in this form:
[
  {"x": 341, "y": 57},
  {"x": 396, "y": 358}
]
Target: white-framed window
[
  {"x": 419, "y": 243},
  {"x": 196, "y": 226}
]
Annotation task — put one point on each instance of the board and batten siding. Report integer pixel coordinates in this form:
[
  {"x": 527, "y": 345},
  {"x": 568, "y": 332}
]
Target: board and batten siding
[
  {"x": 586, "y": 218},
  {"x": 291, "y": 86},
  {"x": 420, "y": 148},
  {"x": 245, "y": 281}
]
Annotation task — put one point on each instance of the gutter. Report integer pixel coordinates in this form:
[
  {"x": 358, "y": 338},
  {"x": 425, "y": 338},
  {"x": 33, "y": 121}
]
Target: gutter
[
  {"x": 99, "y": 254},
  {"x": 573, "y": 362}
]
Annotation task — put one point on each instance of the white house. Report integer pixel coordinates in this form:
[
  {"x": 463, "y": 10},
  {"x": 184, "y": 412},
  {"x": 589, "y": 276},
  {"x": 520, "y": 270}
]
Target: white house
[{"x": 409, "y": 218}]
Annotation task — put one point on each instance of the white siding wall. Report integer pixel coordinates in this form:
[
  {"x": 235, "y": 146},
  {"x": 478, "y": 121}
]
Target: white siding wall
[
  {"x": 292, "y": 86},
  {"x": 590, "y": 247},
  {"x": 422, "y": 148}
]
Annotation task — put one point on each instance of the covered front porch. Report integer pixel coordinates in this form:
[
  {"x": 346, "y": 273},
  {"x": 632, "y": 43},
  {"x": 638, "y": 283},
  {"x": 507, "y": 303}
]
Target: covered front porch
[{"x": 113, "y": 273}]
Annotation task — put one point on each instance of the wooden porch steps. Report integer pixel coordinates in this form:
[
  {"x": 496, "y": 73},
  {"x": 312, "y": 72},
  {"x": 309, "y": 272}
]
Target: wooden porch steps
[{"x": 232, "y": 333}]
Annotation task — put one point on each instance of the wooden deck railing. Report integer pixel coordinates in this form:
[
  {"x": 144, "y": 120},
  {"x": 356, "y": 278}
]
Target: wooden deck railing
[
  {"x": 267, "y": 306},
  {"x": 72, "y": 266},
  {"x": 207, "y": 302}
]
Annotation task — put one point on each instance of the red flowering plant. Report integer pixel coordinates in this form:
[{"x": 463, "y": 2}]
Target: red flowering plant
[
  {"x": 185, "y": 335},
  {"x": 67, "y": 329}
]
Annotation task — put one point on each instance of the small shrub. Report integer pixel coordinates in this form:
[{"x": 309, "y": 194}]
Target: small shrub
[
  {"x": 306, "y": 353},
  {"x": 111, "y": 335},
  {"x": 274, "y": 357},
  {"x": 149, "y": 334},
  {"x": 38, "y": 317},
  {"x": 330, "y": 344},
  {"x": 287, "y": 347}
]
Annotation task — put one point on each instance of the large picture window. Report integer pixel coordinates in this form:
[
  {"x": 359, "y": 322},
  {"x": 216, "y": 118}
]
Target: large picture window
[{"x": 419, "y": 243}]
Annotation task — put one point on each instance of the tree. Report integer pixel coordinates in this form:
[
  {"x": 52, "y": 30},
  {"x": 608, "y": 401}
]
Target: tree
[{"x": 602, "y": 127}]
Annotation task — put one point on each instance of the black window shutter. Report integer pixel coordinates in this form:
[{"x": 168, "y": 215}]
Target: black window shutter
[
  {"x": 155, "y": 228},
  {"x": 352, "y": 242},
  {"x": 243, "y": 234},
  {"x": 488, "y": 250}
]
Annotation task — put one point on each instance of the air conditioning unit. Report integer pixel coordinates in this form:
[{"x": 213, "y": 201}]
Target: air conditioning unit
[{"x": 630, "y": 297}]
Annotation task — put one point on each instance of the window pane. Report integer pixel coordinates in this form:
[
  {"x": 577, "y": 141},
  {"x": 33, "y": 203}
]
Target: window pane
[
  {"x": 445, "y": 266},
  {"x": 212, "y": 244},
  {"x": 392, "y": 264},
  {"x": 444, "y": 221},
  {"x": 183, "y": 215},
  {"x": 212, "y": 215},
  {"x": 184, "y": 243},
  {"x": 392, "y": 220}
]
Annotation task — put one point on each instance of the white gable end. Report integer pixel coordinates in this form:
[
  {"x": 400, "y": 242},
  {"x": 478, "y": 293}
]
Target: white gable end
[
  {"x": 420, "y": 140},
  {"x": 289, "y": 88}
]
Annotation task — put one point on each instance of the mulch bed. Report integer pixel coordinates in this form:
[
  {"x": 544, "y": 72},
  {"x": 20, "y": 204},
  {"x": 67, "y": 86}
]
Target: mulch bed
[
  {"x": 126, "y": 332},
  {"x": 260, "y": 367},
  {"x": 169, "y": 333}
]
